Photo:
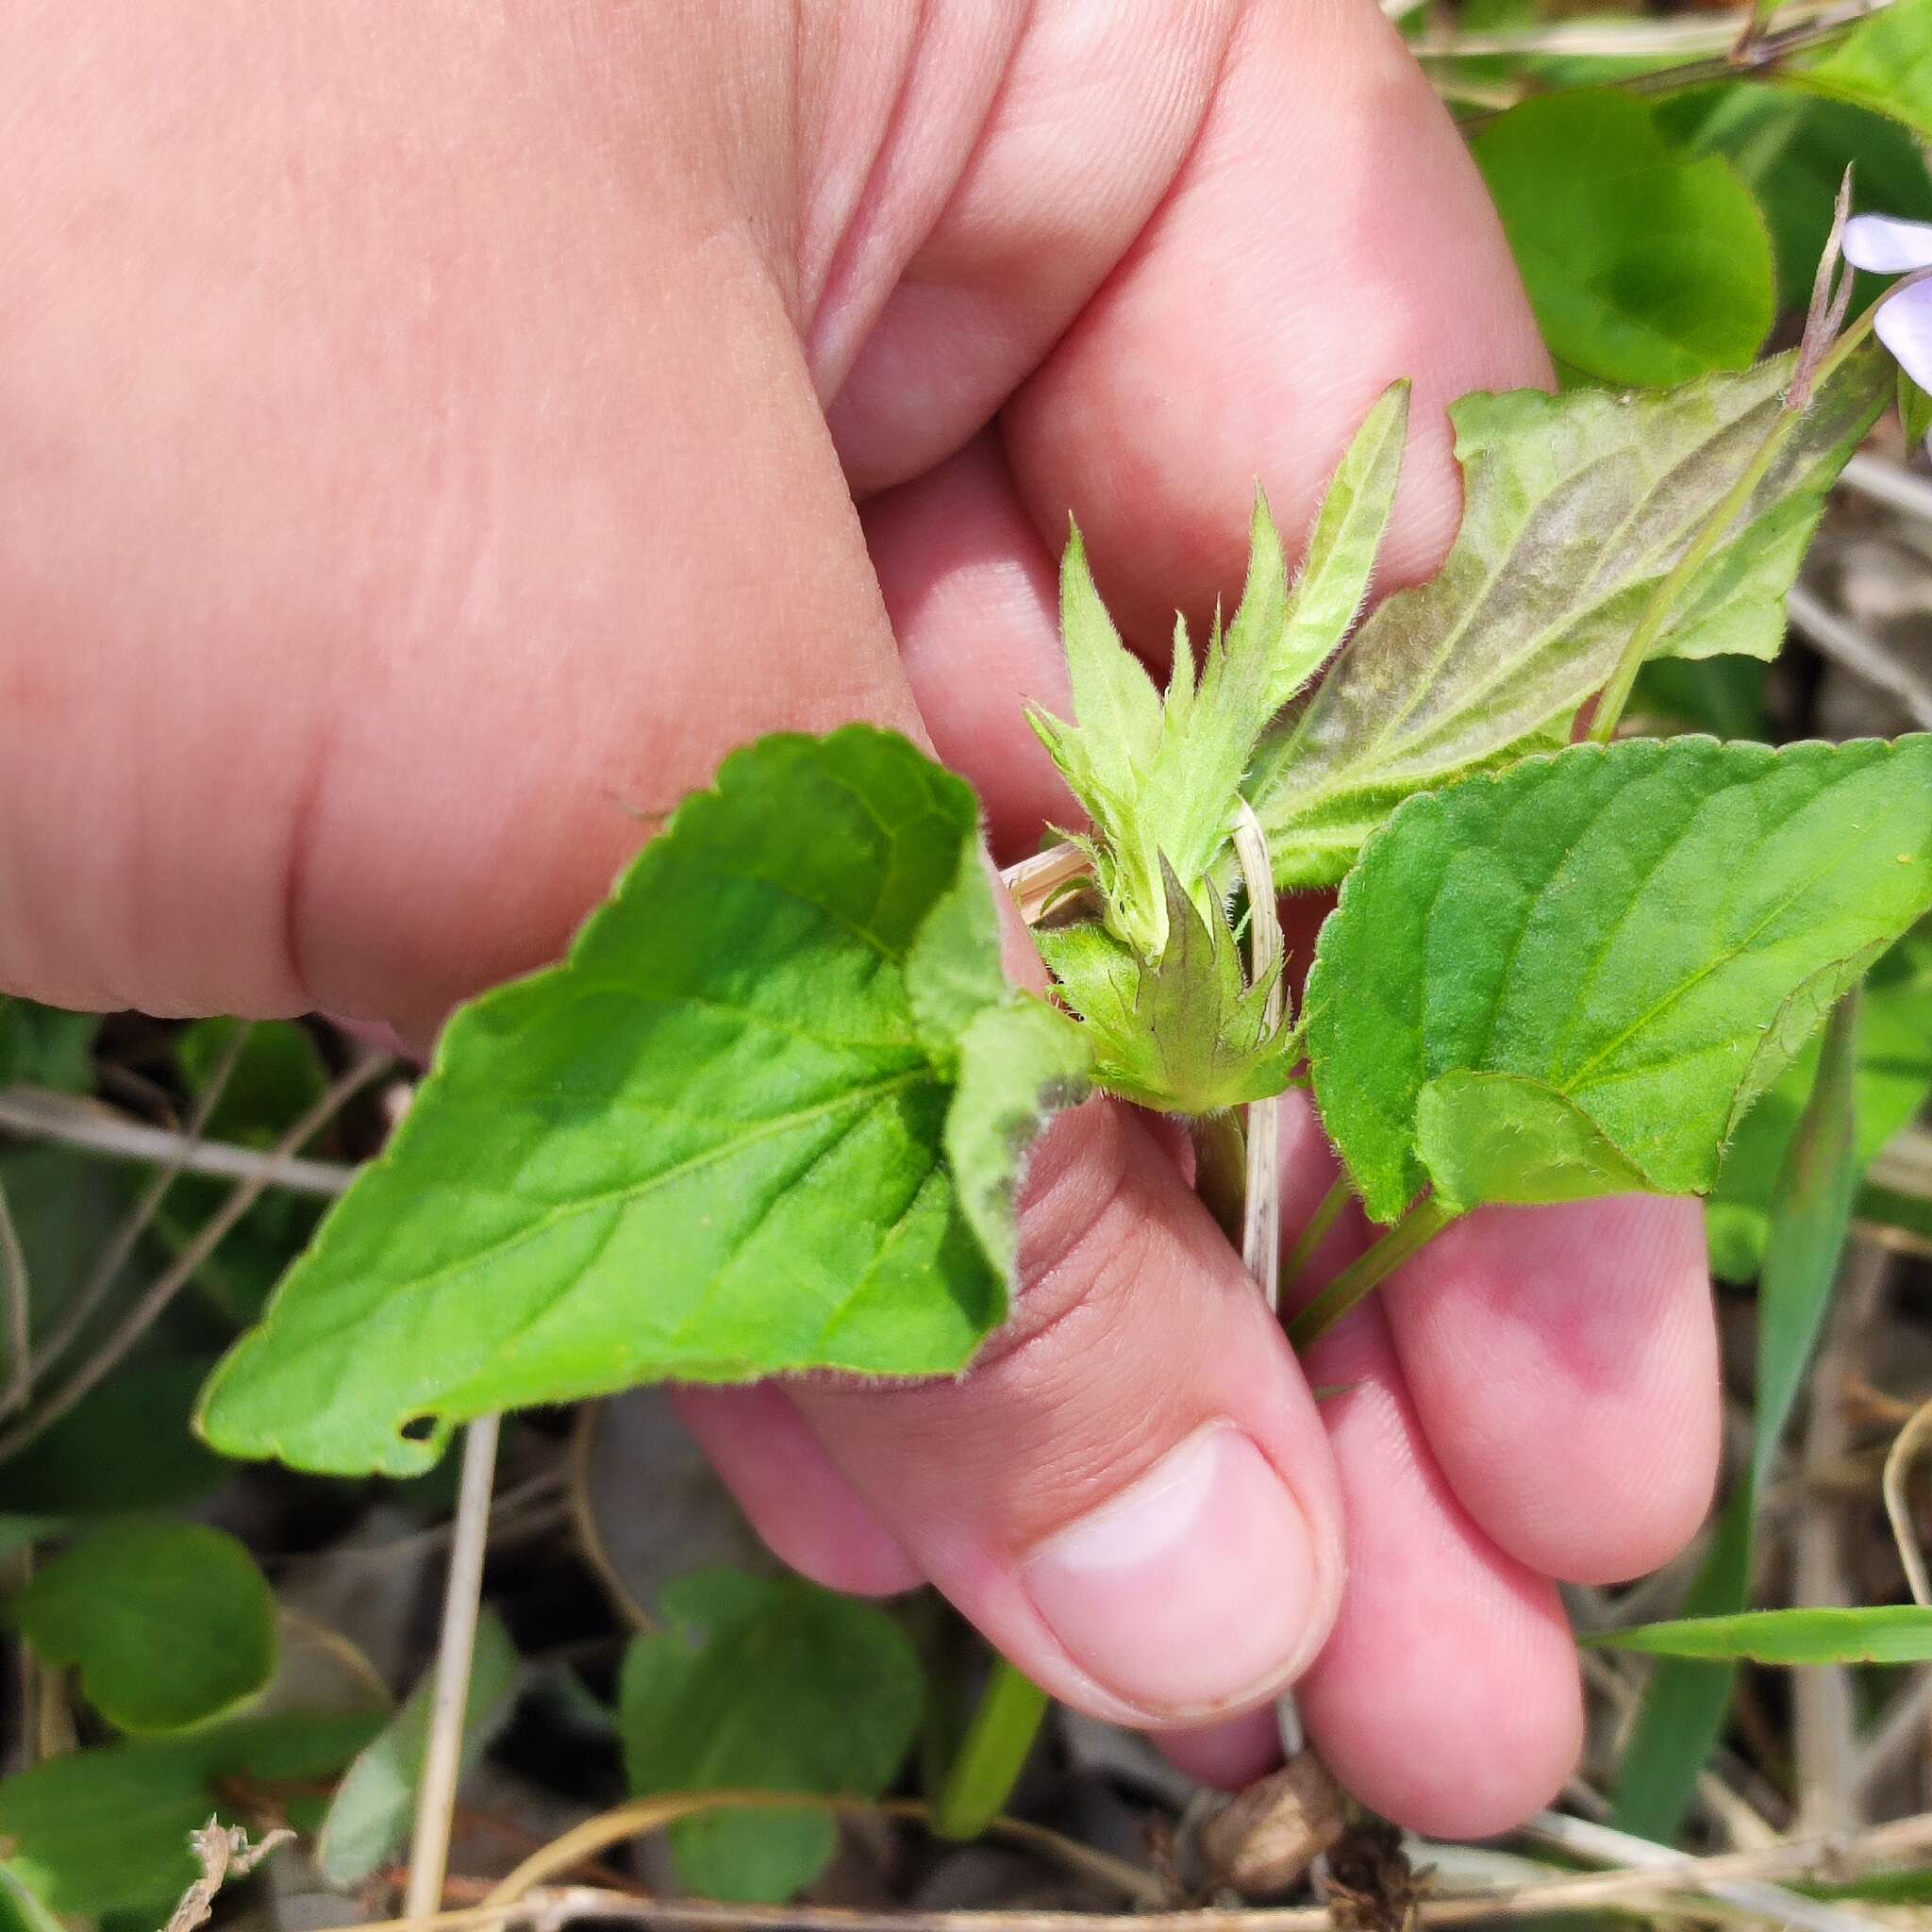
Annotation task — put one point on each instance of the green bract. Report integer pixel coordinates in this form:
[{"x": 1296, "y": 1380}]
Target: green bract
[
  {"x": 1576, "y": 978},
  {"x": 1187, "y": 1033},
  {"x": 1576, "y": 507},
  {"x": 1160, "y": 778},
  {"x": 766, "y": 1116}
]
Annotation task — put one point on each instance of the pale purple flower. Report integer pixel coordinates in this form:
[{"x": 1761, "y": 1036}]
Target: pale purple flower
[{"x": 1891, "y": 247}]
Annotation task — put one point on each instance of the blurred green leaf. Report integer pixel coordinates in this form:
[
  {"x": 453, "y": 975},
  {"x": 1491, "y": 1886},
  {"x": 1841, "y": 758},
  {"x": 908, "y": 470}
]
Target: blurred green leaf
[
  {"x": 1684, "y": 1704},
  {"x": 369, "y": 1816},
  {"x": 771, "y": 1685},
  {"x": 106, "y": 1828},
  {"x": 1893, "y": 1634},
  {"x": 1791, "y": 150},
  {"x": 277, "y": 1077},
  {"x": 1884, "y": 63},
  {"x": 991, "y": 1755},
  {"x": 1723, "y": 696},
  {"x": 21, "y": 1910},
  {"x": 125, "y": 1445},
  {"x": 46, "y": 1046},
  {"x": 1894, "y": 1082},
  {"x": 170, "y": 1623},
  {"x": 1645, "y": 266}
]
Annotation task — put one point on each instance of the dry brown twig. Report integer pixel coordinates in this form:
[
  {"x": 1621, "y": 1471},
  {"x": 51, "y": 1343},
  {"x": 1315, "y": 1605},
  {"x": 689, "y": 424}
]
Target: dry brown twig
[{"x": 224, "y": 1852}]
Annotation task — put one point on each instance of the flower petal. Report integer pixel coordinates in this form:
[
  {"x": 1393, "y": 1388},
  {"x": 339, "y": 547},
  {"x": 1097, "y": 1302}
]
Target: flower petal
[
  {"x": 1904, "y": 326},
  {"x": 1887, "y": 246}
]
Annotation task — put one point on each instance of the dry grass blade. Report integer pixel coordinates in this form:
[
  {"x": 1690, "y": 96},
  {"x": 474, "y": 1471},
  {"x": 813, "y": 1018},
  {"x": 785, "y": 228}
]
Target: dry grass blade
[
  {"x": 1261, "y": 1205},
  {"x": 643, "y": 1815},
  {"x": 1838, "y": 638},
  {"x": 38, "y": 1114},
  {"x": 589, "y": 1532},
  {"x": 109, "y": 1261},
  {"x": 13, "y": 1290},
  {"x": 1672, "y": 1876},
  {"x": 456, "y": 1649},
  {"x": 1904, "y": 1451},
  {"x": 1035, "y": 881}
]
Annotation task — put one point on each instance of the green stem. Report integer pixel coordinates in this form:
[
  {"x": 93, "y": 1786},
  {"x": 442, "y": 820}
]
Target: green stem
[
  {"x": 992, "y": 1753},
  {"x": 1220, "y": 1168},
  {"x": 1312, "y": 1236},
  {"x": 1420, "y": 1226},
  {"x": 1657, "y": 613}
]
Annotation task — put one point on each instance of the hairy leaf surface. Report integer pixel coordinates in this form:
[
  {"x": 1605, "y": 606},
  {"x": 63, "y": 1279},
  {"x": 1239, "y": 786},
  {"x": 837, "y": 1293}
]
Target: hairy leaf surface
[
  {"x": 712, "y": 1144},
  {"x": 1160, "y": 777},
  {"x": 1576, "y": 507},
  {"x": 773, "y": 1685},
  {"x": 1647, "y": 933}
]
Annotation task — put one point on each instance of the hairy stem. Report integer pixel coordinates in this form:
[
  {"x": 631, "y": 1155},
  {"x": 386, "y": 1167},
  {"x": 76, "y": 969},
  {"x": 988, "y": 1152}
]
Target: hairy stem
[
  {"x": 1420, "y": 1226},
  {"x": 1221, "y": 1169},
  {"x": 1315, "y": 1233}
]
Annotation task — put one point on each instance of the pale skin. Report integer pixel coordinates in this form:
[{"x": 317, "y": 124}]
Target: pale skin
[{"x": 430, "y": 437}]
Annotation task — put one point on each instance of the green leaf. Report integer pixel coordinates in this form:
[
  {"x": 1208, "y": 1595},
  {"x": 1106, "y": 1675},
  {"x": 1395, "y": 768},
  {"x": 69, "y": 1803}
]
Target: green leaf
[
  {"x": 46, "y": 1046},
  {"x": 1722, "y": 697},
  {"x": 125, "y": 1445},
  {"x": 1894, "y": 1082},
  {"x": 1684, "y": 1705},
  {"x": 1186, "y": 1035},
  {"x": 1792, "y": 151},
  {"x": 100, "y": 1830},
  {"x": 1914, "y": 409},
  {"x": 1347, "y": 537},
  {"x": 1893, "y": 1634},
  {"x": 710, "y": 1145},
  {"x": 1160, "y": 778},
  {"x": 20, "y": 1909},
  {"x": 1647, "y": 930},
  {"x": 773, "y": 1685},
  {"x": 1500, "y": 1137},
  {"x": 1644, "y": 268},
  {"x": 170, "y": 1623},
  {"x": 1884, "y": 63},
  {"x": 369, "y": 1817},
  {"x": 1576, "y": 507}
]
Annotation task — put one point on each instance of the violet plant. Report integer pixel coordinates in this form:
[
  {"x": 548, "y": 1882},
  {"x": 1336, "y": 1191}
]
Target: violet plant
[{"x": 771, "y": 1114}]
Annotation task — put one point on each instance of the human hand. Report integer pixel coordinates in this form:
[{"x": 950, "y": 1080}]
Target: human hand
[{"x": 430, "y": 440}]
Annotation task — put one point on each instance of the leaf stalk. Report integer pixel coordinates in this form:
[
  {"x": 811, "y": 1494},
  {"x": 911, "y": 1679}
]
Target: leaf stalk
[{"x": 1423, "y": 1223}]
